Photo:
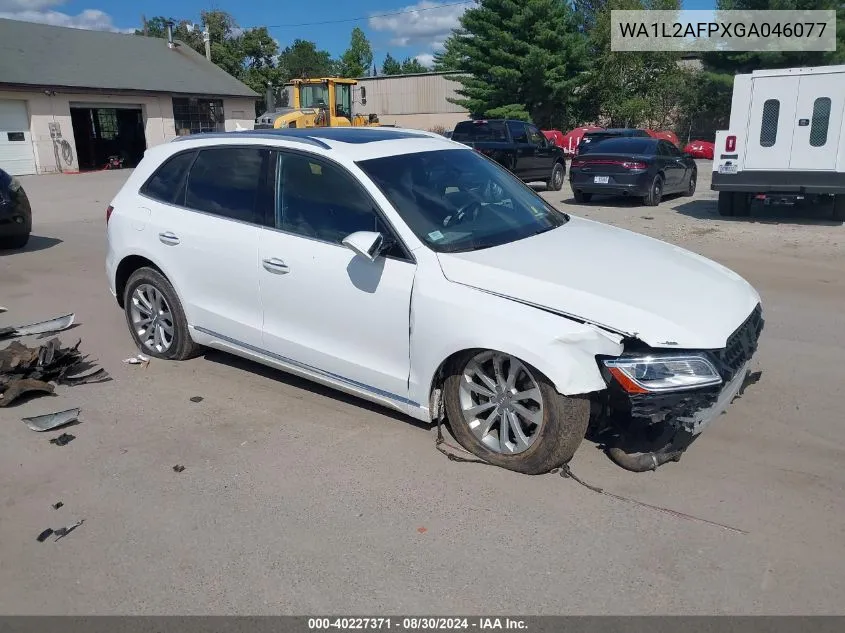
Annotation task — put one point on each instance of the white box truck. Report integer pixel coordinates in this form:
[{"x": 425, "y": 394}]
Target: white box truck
[{"x": 785, "y": 141}]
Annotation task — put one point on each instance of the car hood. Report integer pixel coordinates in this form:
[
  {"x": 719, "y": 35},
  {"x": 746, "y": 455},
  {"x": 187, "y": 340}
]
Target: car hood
[{"x": 623, "y": 281}]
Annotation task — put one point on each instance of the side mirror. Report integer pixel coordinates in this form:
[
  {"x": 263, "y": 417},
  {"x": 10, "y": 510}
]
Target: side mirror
[{"x": 367, "y": 244}]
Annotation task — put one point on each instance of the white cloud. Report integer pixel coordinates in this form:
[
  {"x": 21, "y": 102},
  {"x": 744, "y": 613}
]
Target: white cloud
[
  {"x": 40, "y": 11},
  {"x": 426, "y": 59},
  {"x": 427, "y": 23}
]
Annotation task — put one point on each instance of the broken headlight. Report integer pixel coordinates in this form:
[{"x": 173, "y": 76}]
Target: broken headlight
[{"x": 643, "y": 374}]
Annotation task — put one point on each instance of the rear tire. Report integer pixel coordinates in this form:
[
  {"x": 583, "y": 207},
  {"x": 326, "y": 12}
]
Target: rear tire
[
  {"x": 839, "y": 207},
  {"x": 580, "y": 196},
  {"x": 555, "y": 182},
  {"x": 14, "y": 241},
  {"x": 148, "y": 292},
  {"x": 741, "y": 204},
  {"x": 552, "y": 443},
  {"x": 693, "y": 180},
  {"x": 726, "y": 203},
  {"x": 655, "y": 192}
]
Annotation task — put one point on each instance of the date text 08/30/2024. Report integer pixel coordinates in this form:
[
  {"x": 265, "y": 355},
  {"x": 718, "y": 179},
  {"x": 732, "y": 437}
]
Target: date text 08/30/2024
[{"x": 417, "y": 623}]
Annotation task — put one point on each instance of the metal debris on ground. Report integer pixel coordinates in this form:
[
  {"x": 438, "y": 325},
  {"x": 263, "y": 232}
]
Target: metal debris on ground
[
  {"x": 178, "y": 468},
  {"x": 63, "y": 439},
  {"x": 43, "y": 327},
  {"x": 62, "y": 532},
  {"x": 44, "y": 535},
  {"x": 197, "y": 399},
  {"x": 2, "y": 309},
  {"x": 35, "y": 369},
  {"x": 140, "y": 359},
  {"x": 57, "y": 505},
  {"x": 52, "y": 421}
]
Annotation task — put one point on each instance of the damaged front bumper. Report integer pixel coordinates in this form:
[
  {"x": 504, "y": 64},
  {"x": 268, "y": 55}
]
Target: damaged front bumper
[{"x": 633, "y": 412}]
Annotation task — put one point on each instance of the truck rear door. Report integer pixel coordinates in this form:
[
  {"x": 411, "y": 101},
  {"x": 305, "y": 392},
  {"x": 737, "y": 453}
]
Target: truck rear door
[
  {"x": 771, "y": 122},
  {"x": 815, "y": 141}
]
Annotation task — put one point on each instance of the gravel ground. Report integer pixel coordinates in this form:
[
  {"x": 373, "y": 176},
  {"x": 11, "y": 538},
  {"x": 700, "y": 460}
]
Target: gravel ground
[{"x": 299, "y": 500}]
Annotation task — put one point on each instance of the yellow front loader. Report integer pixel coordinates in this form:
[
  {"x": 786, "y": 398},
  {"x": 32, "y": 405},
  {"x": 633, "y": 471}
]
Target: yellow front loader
[{"x": 323, "y": 102}]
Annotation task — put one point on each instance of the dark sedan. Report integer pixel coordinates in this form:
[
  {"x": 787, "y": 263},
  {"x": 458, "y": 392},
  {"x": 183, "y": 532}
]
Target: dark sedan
[
  {"x": 15, "y": 213},
  {"x": 646, "y": 168}
]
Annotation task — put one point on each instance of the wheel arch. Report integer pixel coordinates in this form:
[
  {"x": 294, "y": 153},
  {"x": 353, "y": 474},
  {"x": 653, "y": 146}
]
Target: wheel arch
[
  {"x": 128, "y": 265},
  {"x": 570, "y": 367}
]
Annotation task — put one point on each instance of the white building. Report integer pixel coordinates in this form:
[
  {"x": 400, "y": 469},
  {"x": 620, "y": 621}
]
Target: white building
[
  {"x": 415, "y": 101},
  {"x": 70, "y": 98}
]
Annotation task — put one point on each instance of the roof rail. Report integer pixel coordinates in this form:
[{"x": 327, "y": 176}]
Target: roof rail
[{"x": 268, "y": 134}]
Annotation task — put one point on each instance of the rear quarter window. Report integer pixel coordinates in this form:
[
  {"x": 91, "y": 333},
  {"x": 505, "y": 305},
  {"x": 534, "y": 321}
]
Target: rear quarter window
[{"x": 168, "y": 181}]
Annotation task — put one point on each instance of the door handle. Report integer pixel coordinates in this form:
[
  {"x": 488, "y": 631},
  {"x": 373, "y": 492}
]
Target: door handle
[
  {"x": 168, "y": 238},
  {"x": 275, "y": 265}
]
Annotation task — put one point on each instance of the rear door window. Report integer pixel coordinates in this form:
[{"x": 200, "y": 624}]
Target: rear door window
[
  {"x": 769, "y": 124},
  {"x": 228, "y": 182},
  {"x": 517, "y": 130},
  {"x": 821, "y": 121},
  {"x": 167, "y": 184}
]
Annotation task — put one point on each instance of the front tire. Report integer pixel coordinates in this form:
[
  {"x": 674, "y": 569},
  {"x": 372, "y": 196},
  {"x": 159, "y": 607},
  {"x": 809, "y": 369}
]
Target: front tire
[
  {"x": 509, "y": 414},
  {"x": 655, "y": 192},
  {"x": 555, "y": 182},
  {"x": 156, "y": 318}
]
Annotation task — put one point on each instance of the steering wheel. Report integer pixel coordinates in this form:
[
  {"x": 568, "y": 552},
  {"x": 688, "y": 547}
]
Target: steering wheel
[{"x": 463, "y": 211}]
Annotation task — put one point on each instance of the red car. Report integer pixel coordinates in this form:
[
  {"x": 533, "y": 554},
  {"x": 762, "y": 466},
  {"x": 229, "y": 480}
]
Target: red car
[{"x": 700, "y": 149}]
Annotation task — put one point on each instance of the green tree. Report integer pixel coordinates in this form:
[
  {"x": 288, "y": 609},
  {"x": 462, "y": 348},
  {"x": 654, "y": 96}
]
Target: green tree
[
  {"x": 247, "y": 54},
  {"x": 524, "y": 60},
  {"x": 412, "y": 66},
  {"x": 302, "y": 59},
  {"x": 631, "y": 88},
  {"x": 358, "y": 58},
  {"x": 391, "y": 66},
  {"x": 745, "y": 62},
  {"x": 450, "y": 57}
]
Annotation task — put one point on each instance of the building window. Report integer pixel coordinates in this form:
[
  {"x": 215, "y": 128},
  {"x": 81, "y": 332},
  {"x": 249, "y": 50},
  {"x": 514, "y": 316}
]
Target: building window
[
  {"x": 769, "y": 124},
  {"x": 193, "y": 116},
  {"x": 821, "y": 120}
]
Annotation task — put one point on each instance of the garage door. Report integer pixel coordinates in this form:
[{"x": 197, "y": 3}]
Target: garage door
[{"x": 16, "y": 155}]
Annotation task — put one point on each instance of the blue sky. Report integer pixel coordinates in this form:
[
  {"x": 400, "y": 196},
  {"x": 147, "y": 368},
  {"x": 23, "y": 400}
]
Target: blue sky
[{"x": 411, "y": 34}]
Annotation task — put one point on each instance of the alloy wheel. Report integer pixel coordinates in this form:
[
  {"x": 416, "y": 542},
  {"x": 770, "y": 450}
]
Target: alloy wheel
[
  {"x": 152, "y": 318},
  {"x": 501, "y": 402}
]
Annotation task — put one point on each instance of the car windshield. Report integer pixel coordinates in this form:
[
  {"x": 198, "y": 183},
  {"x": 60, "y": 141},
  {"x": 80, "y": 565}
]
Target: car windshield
[
  {"x": 480, "y": 131},
  {"x": 619, "y": 145},
  {"x": 458, "y": 200}
]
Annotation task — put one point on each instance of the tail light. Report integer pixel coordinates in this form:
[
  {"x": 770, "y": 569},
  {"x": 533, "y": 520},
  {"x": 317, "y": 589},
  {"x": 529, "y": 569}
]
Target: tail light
[
  {"x": 109, "y": 209},
  {"x": 634, "y": 165},
  {"x": 624, "y": 164},
  {"x": 730, "y": 144}
]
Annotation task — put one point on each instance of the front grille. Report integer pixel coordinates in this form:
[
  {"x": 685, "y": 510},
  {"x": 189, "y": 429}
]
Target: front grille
[{"x": 740, "y": 346}]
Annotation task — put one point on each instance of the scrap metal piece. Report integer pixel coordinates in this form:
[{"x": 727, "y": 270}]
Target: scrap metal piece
[
  {"x": 98, "y": 375},
  {"x": 63, "y": 532},
  {"x": 43, "y": 327},
  {"x": 44, "y": 535},
  {"x": 63, "y": 439},
  {"x": 178, "y": 468},
  {"x": 16, "y": 388},
  {"x": 2, "y": 309},
  {"x": 52, "y": 421},
  {"x": 57, "y": 505}
]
